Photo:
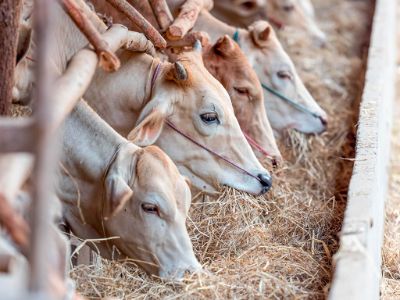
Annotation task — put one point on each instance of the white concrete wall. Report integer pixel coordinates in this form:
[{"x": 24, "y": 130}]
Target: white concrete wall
[{"x": 358, "y": 261}]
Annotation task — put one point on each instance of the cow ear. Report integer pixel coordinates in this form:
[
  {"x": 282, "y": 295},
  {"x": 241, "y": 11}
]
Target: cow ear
[
  {"x": 224, "y": 46},
  {"x": 148, "y": 130},
  {"x": 24, "y": 41},
  {"x": 188, "y": 181},
  {"x": 260, "y": 32},
  {"x": 118, "y": 193}
]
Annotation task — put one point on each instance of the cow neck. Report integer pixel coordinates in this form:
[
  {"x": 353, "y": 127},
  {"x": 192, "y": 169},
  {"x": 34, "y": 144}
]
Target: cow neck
[
  {"x": 215, "y": 28},
  {"x": 155, "y": 71},
  {"x": 89, "y": 142}
]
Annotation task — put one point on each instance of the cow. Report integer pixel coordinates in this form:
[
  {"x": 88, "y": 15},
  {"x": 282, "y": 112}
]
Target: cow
[
  {"x": 111, "y": 188},
  {"x": 275, "y": 69},
  {"x": 228, "y": 64},
  {"x": 197, "y": 103},
  {"x": 271, "y": 63},
  {"x": 293, "y": 13}
]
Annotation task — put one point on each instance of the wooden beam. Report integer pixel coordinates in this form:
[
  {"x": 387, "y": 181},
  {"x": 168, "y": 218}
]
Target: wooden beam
[
  {"x": 162, "y": 13},
  {"x": 17, "y": 135},
  {"x": 9, "y": 20},
  {"x": 41, "y": 238},
  {"x": 108, "y": 60},
  {"x": 133, "y": 15}
]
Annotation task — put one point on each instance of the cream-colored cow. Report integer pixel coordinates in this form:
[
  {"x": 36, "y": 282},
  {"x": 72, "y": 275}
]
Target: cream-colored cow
[
  {"x": 294, "y": 13},
  {"x": 274, "y": 69},
  {"x": 111, "y": 188},
  {"x": 273, "y": 66},
  {"x": 227, "y": 62},
  {"x": 145, "y": 93}
]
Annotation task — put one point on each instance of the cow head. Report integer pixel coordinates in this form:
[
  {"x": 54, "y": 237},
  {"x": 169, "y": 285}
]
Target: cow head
[
  {"x": 240, "y": 8},
  {"x": 296, "y": 13},
  {"x": 274, "y": 68},
  {"x": 146, "y": 206},
  {"x": 187, "y": 95},
  {"x": 227, "y": 63}
]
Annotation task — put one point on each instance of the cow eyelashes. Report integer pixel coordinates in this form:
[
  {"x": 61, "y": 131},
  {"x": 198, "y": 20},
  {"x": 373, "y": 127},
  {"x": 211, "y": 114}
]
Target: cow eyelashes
[
  {"x": 242, "y": 91},
  {"x": 210, "y": 118},
  {"x": 151, "y": 209},
  {"x": 284, "y": 75},
  {"x": 288, "y": 8}
]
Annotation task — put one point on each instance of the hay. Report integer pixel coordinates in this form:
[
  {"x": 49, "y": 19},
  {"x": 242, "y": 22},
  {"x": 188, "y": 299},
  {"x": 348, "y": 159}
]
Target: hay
[
  {"x": 20, "y": 110},
  {"x": 280, "y": 245}
]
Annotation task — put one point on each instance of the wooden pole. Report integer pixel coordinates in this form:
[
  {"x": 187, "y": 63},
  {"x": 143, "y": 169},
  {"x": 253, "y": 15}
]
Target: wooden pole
[
  {"x": 186, "y": 18},
  {"x": 162, "y": 13},
  {"x": 133, "y": 15},
  {"x": 46, "y": 149},
  {"x": 9, "y": 19},
  {"x": 108, "y": 60},
  {"x": 14, "y": 224}
]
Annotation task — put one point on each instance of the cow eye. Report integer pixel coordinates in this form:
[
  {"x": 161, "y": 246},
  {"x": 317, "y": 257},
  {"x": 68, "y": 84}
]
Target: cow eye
[
  {"x": 288, "y": 8},
  {"x": 284, "y": 75},
  {"x": 151, "y": 209},
  {"x": 210, "y": 118},
  {"x": 242, "y": 91}
]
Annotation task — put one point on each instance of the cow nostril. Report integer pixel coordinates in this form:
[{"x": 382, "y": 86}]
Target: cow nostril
[
  {"x": 324, "y": 121},
  {"x": 266, "y": 182}
]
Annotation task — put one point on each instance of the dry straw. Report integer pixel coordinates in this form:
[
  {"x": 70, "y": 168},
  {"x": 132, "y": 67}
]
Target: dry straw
[{"x": 280, "y": 245}]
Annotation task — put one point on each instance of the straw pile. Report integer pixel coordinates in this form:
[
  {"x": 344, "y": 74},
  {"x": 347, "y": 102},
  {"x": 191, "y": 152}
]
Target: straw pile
[{"x": 281, "y": 245}]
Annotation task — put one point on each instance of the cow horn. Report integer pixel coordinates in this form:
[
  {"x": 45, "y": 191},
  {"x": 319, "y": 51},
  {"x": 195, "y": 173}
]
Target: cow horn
[
  {"x": 180, "y": 71},
  {"x": 197, "y": 46}
]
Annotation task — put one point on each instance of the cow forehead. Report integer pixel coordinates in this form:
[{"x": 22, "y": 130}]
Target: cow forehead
[
  {"x": 204, "y": 88},
  {"x": 156, "y": 171}
]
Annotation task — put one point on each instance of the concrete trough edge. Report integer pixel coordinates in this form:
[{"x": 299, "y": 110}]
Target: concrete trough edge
[{"x": 358, "y": 260}]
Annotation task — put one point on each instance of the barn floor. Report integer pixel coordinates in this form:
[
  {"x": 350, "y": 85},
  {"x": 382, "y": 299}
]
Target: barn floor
[{"x": 390, "y": 288}]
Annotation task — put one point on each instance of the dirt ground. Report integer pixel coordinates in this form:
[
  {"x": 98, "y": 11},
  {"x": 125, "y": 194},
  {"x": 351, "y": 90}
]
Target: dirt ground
[{"x": 390, "y": 288}]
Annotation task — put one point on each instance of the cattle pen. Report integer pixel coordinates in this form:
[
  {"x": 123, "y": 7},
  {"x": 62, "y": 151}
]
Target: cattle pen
[{"x": 318, "y": 233}]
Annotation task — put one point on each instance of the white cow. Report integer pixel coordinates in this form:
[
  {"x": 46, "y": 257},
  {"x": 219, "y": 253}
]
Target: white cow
[{"x": 110, "y": 187}]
